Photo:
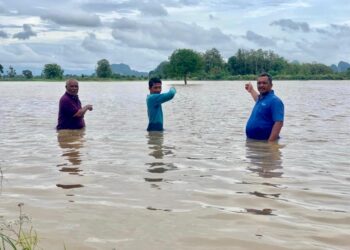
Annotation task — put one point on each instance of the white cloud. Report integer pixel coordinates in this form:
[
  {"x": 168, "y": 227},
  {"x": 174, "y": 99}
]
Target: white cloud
[
  {"x": 26, "y": 33},
  {"x": 3, "y": 34},
  {"x": 91, "y": 43},
  {"x": 75, "y": 34},
  {"x": 147, "y": 8},
  {"x": 20, "y": 54},
  {"x": 258, "y": 39},
  {"x": 72, "y": 19},
  {"x": 165, "y": 35},
  {"x": 288, "y": 24},
  {"x": 3, "y": 10}
]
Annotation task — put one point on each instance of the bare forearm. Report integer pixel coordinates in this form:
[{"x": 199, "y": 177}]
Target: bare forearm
[
  {"x": 81, "y": 112},
  {"x": 276, "y": 129},
  {"x": 249, "y": 87},
  {"x": 254, "y": 94}
]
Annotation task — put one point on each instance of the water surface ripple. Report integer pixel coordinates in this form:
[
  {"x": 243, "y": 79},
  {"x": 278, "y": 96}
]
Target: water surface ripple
[{"x": 198, "y": 185}]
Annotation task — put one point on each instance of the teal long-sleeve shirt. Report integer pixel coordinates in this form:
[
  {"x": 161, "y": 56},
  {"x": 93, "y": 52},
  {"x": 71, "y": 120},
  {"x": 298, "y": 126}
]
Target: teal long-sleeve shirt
[{"x": 154, "y": 109}]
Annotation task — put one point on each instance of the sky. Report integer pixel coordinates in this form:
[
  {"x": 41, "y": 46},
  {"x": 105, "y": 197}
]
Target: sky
[{"x": 77, "y": 33}]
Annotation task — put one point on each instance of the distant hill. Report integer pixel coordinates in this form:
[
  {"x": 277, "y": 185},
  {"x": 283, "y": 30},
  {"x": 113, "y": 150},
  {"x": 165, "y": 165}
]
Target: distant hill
[
  {"x": 342, "y": 67},
  {"x": 334, "y": 68},
  {"x": 124, "y": 69}
]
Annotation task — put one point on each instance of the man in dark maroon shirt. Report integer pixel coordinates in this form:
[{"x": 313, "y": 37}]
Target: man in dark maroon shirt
[{"x": 71, "y": 114}]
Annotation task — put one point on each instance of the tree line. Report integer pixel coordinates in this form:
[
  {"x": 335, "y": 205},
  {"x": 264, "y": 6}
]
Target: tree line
[
  {"x": 210, "y": 65},
  {"x": 245, "y": 64},
  {"x": 54, "y": 71}
]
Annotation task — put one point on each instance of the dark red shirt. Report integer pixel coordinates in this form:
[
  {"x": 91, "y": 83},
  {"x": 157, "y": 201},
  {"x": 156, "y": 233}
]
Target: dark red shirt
[{"x": 69, "y": 106}]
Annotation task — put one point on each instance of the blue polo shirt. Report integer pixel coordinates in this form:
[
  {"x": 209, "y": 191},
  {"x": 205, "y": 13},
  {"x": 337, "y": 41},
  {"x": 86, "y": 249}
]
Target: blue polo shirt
[
  {"x": 268, "y": 109},
  {"x": 154, "y": 109}
]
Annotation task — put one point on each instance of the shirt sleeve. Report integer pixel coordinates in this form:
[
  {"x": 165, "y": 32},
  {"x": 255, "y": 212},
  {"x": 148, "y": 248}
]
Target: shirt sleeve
[
  {"x": 277, "y": 111},
  {"x": 160, "y": 98}
]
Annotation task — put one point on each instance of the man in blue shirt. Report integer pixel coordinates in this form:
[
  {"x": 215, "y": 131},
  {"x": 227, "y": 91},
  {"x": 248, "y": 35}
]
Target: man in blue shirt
[
  {"x": 154, "y": 104},
  {"x": 266, "y": 119}
]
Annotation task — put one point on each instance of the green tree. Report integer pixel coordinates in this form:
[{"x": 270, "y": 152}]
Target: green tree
[
  {"x": 185, "y": 61},
  {"x": 1, "y": 69},
  {"x": 246, "y": 62},
  {"x": 320, "y": 69},
  {"x": 11, "y": 73},
  {"x": 275, "y": 63},
  {"x": 232, "y": 65},
  {"x": 103, "y": 69},
  {"x": 237, "y": 64},
  {"x": 53, "y": 71},
  {"x": 27, "y": 74},
  {"x": 213, "y": 61},
  {"x": 308, "y": 69}
]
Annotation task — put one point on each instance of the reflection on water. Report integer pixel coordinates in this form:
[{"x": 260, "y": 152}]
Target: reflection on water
[
  {"x": 71, "y": 141},
  {"x": 158, "y": 151},
  {"x": 160, "y": 167},
  {"x": 265, "y": 211},
  {"x": 264, "y": 195},
  {"x": 155, "y": 142},
  {"x": 266, "y": 158}
]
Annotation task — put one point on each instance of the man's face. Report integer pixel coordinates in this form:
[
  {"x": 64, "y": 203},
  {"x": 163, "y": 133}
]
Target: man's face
[
  {"x": 263, "y": 84},
  {"x": 156, "y": 88},
  {"x": 72, "y": 87}
]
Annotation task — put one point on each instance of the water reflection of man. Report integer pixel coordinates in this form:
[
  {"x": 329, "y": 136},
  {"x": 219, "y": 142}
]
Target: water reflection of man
[
  {"x": 71, "y": 113},
  {"x": 265, "y": 157},
  {"x": 155, "y": 142},
  {"x": 158, "y": 151},
  {"x": 71, "y": 141}
]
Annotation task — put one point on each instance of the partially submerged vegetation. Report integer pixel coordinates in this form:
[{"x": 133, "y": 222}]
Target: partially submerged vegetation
[{"x": 18, "y": 234}]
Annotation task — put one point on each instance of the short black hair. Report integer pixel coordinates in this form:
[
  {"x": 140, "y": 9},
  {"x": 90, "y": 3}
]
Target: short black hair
[
  {"x": 267, "y": 75},
  {"x": 153, "y": 81}
]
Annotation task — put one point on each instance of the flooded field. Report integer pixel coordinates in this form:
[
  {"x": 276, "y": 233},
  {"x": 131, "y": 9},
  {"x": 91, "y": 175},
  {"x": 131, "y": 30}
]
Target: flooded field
[{"x": 198, "y": 185}]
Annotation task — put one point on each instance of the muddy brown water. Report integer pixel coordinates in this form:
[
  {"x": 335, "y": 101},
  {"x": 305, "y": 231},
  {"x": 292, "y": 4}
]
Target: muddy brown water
[{"x": 198, "y": 185}]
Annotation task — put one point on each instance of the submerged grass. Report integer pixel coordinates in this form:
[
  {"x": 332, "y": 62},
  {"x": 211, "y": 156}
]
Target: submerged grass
[{"x": 18, "y": 234}]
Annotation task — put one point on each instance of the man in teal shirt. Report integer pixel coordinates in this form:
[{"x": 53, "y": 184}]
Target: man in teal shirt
[{"x": 154, "y": 104}]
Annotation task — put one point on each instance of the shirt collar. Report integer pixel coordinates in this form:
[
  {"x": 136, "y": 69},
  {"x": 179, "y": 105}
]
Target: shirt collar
[
  {"x": 74, "y": 97},
  {"x": 271, "y": 92}
]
